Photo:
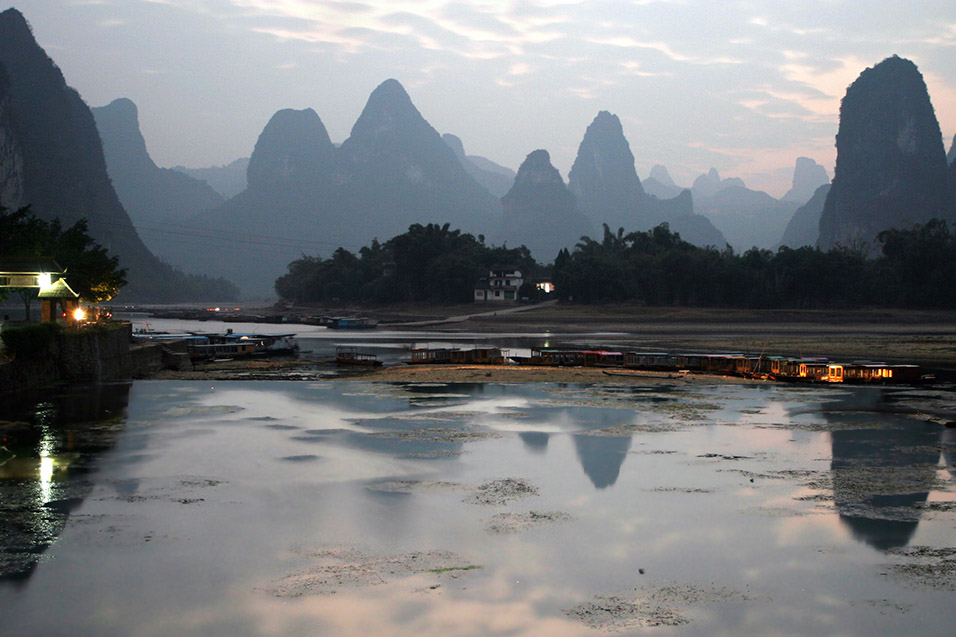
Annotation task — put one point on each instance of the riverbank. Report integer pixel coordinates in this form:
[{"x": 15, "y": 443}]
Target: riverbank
[
  {"x": 291, "y": 369},
  {"x": 922, "y": 337}
]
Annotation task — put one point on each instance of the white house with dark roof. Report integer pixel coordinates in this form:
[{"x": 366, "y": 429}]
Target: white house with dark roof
[{"x": 501, "y": 285}]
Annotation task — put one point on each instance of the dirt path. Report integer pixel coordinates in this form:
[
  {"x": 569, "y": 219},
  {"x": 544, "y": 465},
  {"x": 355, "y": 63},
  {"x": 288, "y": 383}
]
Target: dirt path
[{"x": 503, "y": 311}]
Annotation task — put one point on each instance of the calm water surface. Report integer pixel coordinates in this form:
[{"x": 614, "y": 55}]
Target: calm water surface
[{"x": 167, "y": 507}]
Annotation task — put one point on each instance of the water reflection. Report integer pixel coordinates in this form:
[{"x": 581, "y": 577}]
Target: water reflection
[
  {"x": 601, "y": 457},
  {"x": 948, "y": 440},
  {"x": 535, "y": 441},
  {"x": 49, "y": 442},
  {"x": 882, "y": 475}
]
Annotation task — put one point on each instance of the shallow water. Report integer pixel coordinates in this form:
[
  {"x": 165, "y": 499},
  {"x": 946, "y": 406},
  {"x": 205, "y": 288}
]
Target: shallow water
[{"x": 168, "y": 507}]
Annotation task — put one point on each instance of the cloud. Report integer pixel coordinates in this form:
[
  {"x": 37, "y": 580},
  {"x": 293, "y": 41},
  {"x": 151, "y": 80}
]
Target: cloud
[{"x": 689, "y": 78}]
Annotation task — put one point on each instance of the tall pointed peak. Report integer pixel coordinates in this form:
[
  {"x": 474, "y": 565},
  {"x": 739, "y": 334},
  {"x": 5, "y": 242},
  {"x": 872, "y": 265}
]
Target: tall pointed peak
[
  {"x": 13, "y": 22},
  {"x": 389, "y": 108},
  {"x": 536, "y": 159},
  {"x": 603, "y": 177},
  {"x": 891, "y": 165},
  {"x": 808, "y": 176},
  {"x": 608, "y": 121}
]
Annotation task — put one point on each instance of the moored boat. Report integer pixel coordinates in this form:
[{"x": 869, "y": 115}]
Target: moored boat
[{"x": 347, "y": 355}]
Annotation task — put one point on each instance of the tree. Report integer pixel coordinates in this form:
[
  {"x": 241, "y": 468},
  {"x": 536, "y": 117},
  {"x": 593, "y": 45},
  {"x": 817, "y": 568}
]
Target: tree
[{"x": 93, "y": 274}]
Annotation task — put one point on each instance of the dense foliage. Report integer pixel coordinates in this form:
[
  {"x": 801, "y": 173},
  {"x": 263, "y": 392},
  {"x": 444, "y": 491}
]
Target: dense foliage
[
  {"x": 427, "y": 263},
  {"x": 29, "y": 341},
  {"x": 917, "y": 269},
  {"x": 93, "y": 274}
]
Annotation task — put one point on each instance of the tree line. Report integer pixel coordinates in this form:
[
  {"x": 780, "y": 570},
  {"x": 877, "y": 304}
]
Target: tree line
[
  {"x": 915, "y": 268},
  {"x": 427, "y": 263}
]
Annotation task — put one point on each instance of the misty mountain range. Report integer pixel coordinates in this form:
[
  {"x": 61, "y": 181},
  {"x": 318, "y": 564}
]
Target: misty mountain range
[{"x": 302, "y": 194}]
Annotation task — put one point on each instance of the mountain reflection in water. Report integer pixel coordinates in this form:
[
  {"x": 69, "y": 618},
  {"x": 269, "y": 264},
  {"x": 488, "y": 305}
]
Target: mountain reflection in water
[
  {"x": 284, "y": 507},
  {"x": 601, "y": 457},
  {"x": 882, "y": 474}
]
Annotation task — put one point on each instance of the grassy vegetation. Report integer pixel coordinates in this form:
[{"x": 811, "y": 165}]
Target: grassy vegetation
[{"x": 449, "y": 569}]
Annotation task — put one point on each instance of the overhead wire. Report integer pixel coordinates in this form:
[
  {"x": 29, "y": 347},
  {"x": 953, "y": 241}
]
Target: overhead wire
[{"x": 204, "y": 234}]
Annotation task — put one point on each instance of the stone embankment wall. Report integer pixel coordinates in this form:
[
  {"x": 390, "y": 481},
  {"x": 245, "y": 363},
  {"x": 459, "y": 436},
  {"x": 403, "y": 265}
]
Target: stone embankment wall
[{"x": 94, "y": 354}]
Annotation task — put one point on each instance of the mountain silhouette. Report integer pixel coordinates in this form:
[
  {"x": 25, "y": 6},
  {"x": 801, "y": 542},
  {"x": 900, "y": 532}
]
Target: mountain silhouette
[
  {"x": 294, "y": 150},
  {"x": 746, "y": 217},
  {"x": 228, "y": 180},
  {"x": 539, "y": 210},
  {"x": 306, "y": 196},
  {"x": 891, "y": 167},
  {"x": 150, "y": 194},
  {"x": 608, "y": 190},
  {"x": 64, "y": 171},
  {"x": 494, "y": 178},
  {"x": 808, "y": 176},
  {"x": 11, "y": 155},
  {"x": 804, "y": 226}
]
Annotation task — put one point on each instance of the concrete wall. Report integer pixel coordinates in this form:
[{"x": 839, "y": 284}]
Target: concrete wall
[{"x": 88, "y": 354}]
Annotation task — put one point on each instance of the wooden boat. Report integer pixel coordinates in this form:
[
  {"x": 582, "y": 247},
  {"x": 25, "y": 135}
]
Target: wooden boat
[
  {"x": 242, "y": 345},
  {"x": 429, "y": 356},
  {"x": 350, "y": 323},
  {"x": 346, "y": 355}
]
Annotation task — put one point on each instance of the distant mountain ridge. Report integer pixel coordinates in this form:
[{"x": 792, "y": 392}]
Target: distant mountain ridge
[
  {"x": 804, "y": 227},
  {"x": 493, "y": 177},
  {"x": 151, "y": 195},
  {"x": 747, "y": 218},
  {"x": 608, "y": 190},
  {"x": 540, "y": 212},
  {"x": 228, "y": 180},
  {"x": 808, "y": 176},
  {"x": 305, "y": 195}
]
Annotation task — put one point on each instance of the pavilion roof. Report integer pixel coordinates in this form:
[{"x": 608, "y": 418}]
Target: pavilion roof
[{"x": 58, "y": 290}]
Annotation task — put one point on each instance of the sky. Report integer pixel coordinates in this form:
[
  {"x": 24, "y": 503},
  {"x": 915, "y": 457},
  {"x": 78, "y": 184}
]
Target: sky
[{"x": 745, "y": 87}]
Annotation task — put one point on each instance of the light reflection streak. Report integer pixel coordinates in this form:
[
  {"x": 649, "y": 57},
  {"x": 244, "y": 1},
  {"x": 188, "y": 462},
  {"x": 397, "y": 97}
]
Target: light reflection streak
[{"x": 47, "y": 465}]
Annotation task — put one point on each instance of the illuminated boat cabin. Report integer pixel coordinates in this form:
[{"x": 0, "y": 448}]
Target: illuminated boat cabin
[{"x": 870, "y": 372}]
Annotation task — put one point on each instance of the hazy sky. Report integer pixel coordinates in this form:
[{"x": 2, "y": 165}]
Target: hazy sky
[{"x": 746, "y": 87}]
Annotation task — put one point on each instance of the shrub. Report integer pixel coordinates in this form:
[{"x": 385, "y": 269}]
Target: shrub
[{"x": 29, "y": 341}]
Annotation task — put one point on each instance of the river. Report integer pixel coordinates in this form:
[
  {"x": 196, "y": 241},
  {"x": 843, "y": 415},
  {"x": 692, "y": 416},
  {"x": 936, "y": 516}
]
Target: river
[{"x": 182, "y": 507}]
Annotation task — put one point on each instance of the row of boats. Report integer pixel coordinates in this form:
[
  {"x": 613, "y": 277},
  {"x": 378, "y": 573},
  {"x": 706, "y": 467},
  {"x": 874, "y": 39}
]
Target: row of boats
[
  {"x": 203, "y": 346},
  {"x": 779, "y": 368}
]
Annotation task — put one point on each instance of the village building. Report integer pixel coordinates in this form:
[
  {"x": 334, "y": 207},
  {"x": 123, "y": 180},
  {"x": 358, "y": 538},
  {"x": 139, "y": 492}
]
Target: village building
[
  {"x": 501, "y": 285},
  {"x": 58, "y": 302}
]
